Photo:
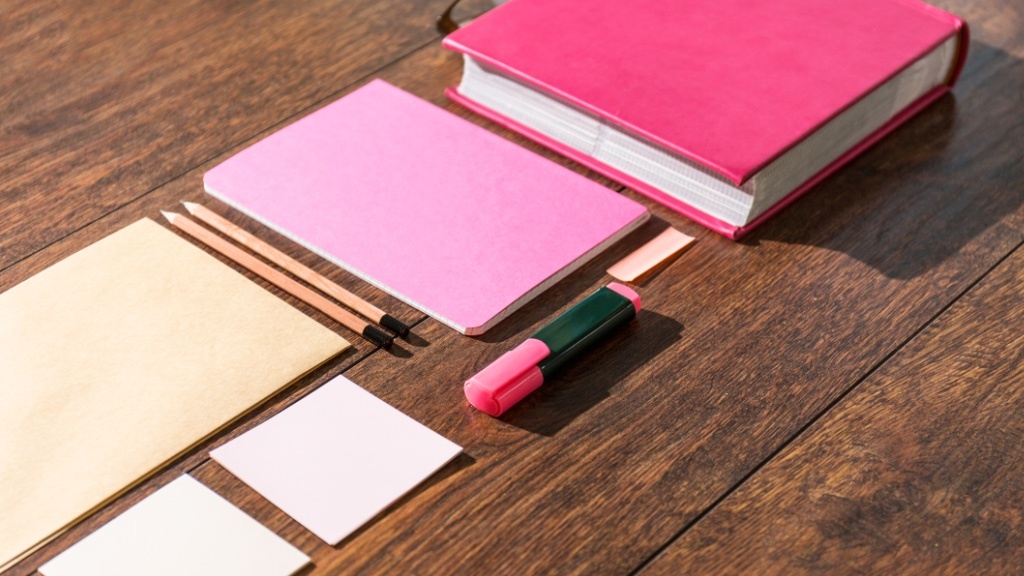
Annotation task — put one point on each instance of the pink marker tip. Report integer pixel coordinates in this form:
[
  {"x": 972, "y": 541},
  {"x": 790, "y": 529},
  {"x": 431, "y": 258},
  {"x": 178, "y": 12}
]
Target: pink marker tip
[{"x": 508, "y": 379}]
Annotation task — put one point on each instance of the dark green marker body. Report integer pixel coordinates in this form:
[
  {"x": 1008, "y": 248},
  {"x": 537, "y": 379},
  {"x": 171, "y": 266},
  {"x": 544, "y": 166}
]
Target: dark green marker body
[
  {"x": 520, "y": 371},
  {"x": 579, "y": 327}
]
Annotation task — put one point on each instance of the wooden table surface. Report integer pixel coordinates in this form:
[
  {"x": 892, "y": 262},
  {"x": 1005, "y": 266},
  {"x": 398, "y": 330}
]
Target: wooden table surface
[{"x": 841, "y": 392}]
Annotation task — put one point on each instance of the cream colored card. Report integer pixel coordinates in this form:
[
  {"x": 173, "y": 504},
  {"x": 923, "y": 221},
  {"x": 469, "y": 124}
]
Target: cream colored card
[
  {"x": 120, "y": 358},
  {"x": 182, "y": 528}
]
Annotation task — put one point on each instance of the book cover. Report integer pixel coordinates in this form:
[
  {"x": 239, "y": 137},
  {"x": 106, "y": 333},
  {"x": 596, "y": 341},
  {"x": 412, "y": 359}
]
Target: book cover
[{"x": 729, "y": 85}]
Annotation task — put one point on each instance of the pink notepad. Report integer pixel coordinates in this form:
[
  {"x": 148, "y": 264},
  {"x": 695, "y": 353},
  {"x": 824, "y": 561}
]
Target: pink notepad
[
  {"x": 446, "y": 216},
  {"x": 336, "y": 458}
]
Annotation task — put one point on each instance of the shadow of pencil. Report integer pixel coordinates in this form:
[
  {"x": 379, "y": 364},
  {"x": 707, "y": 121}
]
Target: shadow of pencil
[
  {"x": 589, "y": 379},
  {"x": 400, "y": 348},
  {"x": 413, "y": 340}
]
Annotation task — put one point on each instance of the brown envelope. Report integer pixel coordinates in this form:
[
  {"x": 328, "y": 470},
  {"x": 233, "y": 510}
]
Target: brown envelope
[{"x": 121, "y": 357}]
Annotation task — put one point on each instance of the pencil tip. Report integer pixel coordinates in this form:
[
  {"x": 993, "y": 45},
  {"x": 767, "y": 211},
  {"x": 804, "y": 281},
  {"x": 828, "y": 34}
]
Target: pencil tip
[
  {"x": 190, "y": 206},
  {"x": 169, "y": 215}
]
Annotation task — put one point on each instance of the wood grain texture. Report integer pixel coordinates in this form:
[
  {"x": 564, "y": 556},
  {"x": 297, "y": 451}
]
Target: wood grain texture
[
  {"x": 739, "y": 347},
  {"x": 918, "y": 471},
  {"x": 101, "y": 102}
]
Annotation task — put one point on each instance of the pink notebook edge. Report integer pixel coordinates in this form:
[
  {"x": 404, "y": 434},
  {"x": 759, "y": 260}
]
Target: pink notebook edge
[
  {"x": 515, "y": 305},
  {"x": 958, "y": 27},
  {"x": 725, "y": 229},
  {"x": 557, "y": 277},
  {"x": 639, "y": 214}
]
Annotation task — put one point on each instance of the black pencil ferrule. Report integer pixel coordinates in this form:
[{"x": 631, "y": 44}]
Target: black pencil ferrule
[
  {"x": 393, "y": 324},
  {"x": 378, "y": 336}
]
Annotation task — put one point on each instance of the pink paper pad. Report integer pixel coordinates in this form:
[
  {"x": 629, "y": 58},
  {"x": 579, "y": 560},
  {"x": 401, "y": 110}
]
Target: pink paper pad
[
  {"x": 452, "y": 219},
  {"x": 336, "y": 458}
]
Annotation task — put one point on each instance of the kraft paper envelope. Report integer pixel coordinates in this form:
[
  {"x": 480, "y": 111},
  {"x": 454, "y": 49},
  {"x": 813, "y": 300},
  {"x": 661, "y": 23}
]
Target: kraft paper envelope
[
  {"x": 121, "y": 357},
  {"x": 182, "y": 528}
]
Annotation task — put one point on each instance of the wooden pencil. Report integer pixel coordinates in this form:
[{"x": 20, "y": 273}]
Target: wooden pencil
[
  {"x": 222, "y": 225},
  {"x": 281, "y": 280}
]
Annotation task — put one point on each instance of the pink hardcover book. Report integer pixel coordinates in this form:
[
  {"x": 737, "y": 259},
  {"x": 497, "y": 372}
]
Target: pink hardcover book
[
  {"x": 725, "y": 110},
  {"x": 446, "y": 216}
]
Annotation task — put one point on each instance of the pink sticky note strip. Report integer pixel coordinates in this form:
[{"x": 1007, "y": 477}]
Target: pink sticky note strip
[{"x": 644, "y": 259}]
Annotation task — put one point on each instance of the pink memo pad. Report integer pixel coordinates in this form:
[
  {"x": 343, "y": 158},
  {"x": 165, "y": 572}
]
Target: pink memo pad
[
  {"x": 446, "y": 216},
  {"x": 336, "y": 458}
]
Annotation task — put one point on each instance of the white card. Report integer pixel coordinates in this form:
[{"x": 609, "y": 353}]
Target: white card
[
  {"x": 182, "y": 528},
  {"x": 336, "y": 458}
]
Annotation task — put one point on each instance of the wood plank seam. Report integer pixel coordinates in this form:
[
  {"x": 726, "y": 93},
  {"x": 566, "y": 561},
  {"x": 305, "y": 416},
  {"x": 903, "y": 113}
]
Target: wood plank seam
[{"x": 803, "y": 429}]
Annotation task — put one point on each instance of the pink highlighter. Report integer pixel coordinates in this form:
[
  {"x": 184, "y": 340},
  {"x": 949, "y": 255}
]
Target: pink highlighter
[{"x": 515, "y": 374}]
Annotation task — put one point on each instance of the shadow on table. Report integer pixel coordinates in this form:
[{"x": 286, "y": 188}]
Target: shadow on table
[
  {"x": 923, "y": 192},
  {"x": 403, "y": 347},
  {"x": 588, "y": 380}
]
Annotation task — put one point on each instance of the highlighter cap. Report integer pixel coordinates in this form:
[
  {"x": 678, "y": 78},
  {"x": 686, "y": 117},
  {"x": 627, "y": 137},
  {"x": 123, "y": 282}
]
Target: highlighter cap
[
  {"x": 508, "y": 379},
  {"x": 626, "y": 292}
]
